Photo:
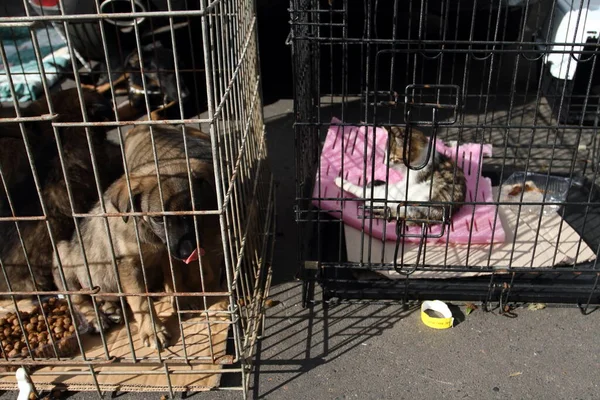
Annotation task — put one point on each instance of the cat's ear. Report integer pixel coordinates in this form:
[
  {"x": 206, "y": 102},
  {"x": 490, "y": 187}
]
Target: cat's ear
[{"x": 398, "y": 133}]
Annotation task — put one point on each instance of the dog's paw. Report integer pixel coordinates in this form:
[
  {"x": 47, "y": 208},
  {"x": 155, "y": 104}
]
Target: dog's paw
[
  {"x": 113, "y": 312},
  {"x": 159, "y": 336},
  {"x": 339, "y": 182},
  {"x": 96, "y": 325},
  {"x": 220, "y": 305},
  {"x": 189, "y": 303}
]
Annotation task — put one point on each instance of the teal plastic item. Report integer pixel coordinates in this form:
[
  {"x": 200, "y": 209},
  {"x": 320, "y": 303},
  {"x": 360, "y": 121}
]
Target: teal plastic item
[{"x": 25, "y": 72}]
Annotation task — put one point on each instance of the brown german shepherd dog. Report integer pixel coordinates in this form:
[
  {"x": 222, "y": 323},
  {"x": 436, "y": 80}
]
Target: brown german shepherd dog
[
  {"x": 25, "y": 201},
  {"x": 158, "y": 235}
]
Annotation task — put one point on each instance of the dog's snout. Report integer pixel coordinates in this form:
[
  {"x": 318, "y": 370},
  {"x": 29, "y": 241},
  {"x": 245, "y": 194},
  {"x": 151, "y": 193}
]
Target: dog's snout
[
  {"x": 185, "y": 93},
  {"x": 170, "y": 89},
  {"x": 185, "y": 248}
]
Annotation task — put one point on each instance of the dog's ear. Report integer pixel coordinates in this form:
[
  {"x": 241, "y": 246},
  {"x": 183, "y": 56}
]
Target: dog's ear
[
  {"x": 119, "y": 196},
  {"x": 205, "y": 193},
  {"x": 98, "y": 107},
  {"x": 208, "y": 195},
  {"x": 133, "y": 60},
  {"x": 201, "y": 169},
  {"x": 154, "y": 45},
  {"x": 100, "y": 111}
]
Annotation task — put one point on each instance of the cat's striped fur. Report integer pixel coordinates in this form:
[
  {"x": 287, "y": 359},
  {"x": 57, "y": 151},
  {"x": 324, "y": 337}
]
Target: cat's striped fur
[{"x": 440, "y": 181}]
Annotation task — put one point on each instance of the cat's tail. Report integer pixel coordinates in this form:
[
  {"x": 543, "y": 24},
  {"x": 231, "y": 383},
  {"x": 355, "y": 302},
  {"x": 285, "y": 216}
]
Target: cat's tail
[{"x": 348, "y": 187}]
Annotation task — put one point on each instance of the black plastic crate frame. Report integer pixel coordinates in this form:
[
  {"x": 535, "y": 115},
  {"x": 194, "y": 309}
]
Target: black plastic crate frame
[{"x": 359, "y": 61}]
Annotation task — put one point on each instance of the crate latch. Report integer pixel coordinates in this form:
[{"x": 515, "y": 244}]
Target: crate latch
[
  {"x": 424, "y": 96},
  {"x": 424, "y": 234}
]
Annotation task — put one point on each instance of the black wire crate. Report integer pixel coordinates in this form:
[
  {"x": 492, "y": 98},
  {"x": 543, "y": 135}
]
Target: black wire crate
[{"x": 447, "y": 150}]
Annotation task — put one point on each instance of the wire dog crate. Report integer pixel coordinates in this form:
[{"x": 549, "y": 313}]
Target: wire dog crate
[
  {"x": 145, "y": 117},
  {"x": 508, "y": 90}
]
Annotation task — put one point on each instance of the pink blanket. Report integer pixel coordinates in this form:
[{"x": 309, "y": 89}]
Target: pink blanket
[{"x": 477, "y": 227}]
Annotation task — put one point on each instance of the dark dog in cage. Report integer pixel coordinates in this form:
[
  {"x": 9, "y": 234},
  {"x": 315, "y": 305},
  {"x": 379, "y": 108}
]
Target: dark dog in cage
[
  {"x": 149, "y": 77},
  {"x": 159, "y": 235},
  {"x": 36, "y": 249},
  {"x": 161, "y": 81},
  {"x": 429, "y": 176}
]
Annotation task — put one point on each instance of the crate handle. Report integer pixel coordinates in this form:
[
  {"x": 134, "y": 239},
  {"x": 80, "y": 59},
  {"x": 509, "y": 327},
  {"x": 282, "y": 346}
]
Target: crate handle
[
  {"x": 430, "y": 145},
  {"x": 399, "y": 230},
  {"x": 400, "y": 234}
]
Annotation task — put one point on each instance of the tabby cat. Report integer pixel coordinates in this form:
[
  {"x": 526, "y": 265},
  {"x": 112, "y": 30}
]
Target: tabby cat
[{"x": 438, "y": 181}]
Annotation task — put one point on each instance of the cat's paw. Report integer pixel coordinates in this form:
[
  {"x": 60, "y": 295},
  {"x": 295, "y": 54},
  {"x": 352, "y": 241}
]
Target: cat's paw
[
  {"x": 339, "y": 182},
  {"x": 401, "y": 212}
]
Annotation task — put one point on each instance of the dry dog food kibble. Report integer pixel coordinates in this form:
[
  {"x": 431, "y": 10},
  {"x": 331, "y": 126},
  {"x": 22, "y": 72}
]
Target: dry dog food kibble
[{"x": 60, "y": 330}]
